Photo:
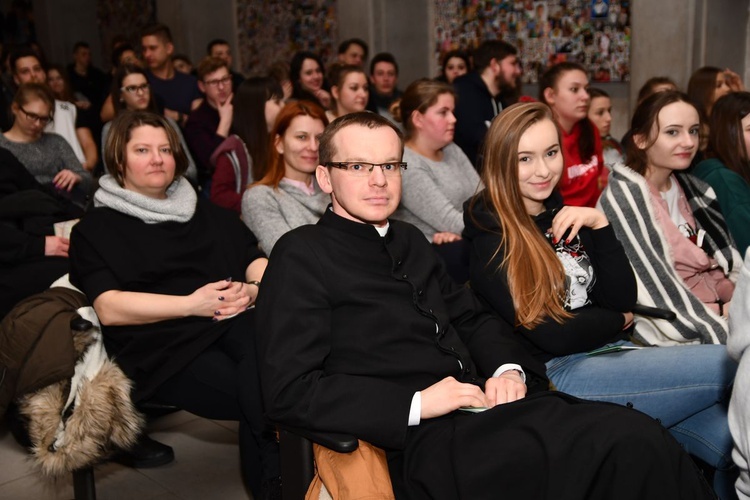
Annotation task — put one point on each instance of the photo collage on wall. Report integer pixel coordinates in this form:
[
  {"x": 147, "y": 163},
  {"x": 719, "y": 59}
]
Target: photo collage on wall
[
  {"x": 271, "y": 31},
  {"x": 595, "y": 33}
]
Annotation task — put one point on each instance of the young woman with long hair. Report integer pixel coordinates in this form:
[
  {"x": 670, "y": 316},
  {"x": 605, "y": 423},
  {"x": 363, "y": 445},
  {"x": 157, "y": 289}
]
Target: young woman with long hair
[
  {"x": 308, "y": 80},
  {"x": 706, "y": 86},
  {"x": 559, "y": 274},
  {"x": 288, "y": 195},
  {"x": 564, "y": 87},
  {"x": 727, "y": 168},
  {"x": 671, "y": 226},
  {"x": 243, "y": 156},
  {"x": 349, "y": 91}
]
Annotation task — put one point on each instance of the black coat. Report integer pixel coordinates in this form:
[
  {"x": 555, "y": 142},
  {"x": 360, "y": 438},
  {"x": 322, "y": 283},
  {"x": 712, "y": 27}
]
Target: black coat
[{"x": 364, "y": 310}]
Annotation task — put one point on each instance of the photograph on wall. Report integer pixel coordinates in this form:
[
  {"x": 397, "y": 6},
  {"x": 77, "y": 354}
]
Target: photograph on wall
[
  {"x": 595, "y": 33},
  {"x": 271, "y": 31}
]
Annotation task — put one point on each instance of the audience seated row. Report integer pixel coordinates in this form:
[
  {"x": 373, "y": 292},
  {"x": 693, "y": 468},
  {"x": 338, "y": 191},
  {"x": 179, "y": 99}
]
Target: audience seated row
[{"x": 564, "y": 275}]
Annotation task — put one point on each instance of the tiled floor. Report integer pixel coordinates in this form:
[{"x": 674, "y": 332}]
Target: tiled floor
[{"x": 206, "y": 466}]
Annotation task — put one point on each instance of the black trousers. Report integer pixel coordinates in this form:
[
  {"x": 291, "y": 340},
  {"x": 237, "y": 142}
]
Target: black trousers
[{"x": 222, "y": 384}]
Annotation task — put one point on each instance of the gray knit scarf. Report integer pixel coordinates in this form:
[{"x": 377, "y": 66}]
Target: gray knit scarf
[{"x": 179, "y": 206}]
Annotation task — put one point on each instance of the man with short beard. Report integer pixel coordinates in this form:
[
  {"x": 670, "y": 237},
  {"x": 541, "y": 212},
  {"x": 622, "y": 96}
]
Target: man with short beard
[{"x": 480, "y": 94}]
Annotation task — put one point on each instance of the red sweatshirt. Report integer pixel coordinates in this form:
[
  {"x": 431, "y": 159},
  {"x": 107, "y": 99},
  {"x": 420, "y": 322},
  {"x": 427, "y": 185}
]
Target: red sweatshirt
[{"x": 580, "y": 185}]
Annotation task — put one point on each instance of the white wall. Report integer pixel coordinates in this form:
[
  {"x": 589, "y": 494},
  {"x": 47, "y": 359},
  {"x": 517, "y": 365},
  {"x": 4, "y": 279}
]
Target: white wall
[
  {"x": 194, "y": 23},
  {"x": 675, "y": 37},
  {"x": 400, "y": 27}
]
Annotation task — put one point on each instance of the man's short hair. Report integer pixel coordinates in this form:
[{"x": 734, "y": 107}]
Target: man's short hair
[
  {"x": 160, "y": 31},
  {"x": 213, "y": 43},
  {"x": 326, "y": 149},
  {"x": 208, "y": 65},
  {"x": 492, "y": 49},
  {"x": 81, "y": 45},
  {"x": 20, "y": 54},
  {"x": 344, "y": 46},
  {"x": 383, "y": 57}
]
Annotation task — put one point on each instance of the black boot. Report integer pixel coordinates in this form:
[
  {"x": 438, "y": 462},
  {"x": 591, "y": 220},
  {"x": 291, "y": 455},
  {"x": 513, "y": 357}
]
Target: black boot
[{"x": 145, "y": 454}]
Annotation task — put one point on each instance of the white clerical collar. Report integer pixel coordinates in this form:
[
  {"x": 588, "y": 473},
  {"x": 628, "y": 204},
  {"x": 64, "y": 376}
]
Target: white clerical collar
[{"x": 383, "y": 230}]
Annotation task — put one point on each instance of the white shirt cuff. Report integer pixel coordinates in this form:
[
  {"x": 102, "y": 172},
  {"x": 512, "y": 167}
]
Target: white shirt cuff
[
  {"x": 508, "y": 367},
  {"x": 415, "y": 412}
]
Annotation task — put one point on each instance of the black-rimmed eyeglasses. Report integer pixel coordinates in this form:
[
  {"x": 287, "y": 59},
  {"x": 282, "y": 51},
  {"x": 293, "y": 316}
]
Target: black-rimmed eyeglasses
[
  {"x": 363, "y": 168},
  {"x": 135, "y": 89},
  {"x": 42, "y": 120},
  {"x": 219, "y": 81}
]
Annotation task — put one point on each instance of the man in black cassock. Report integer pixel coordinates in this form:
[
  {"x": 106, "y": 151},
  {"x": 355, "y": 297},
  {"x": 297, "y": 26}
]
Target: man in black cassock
[{"x": 361, "y": 331}]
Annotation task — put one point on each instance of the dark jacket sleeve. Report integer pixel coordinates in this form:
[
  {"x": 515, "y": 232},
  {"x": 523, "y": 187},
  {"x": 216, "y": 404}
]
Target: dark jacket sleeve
[
  {"x": 24, "y": 204},
  {"x": 589, "y": 328},
  {"x": 17, "y": 245},
  {"x": 470, "y": 121},
  {"x": 295, "y": 335},
  {"x": 202, "y": 140},
  {"x": 490, "y": 339},
  {"x": 615, "y": 287}
]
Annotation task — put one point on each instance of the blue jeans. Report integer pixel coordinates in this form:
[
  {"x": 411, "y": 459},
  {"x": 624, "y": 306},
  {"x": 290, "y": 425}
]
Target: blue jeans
[{"x": 685, "y": 387}]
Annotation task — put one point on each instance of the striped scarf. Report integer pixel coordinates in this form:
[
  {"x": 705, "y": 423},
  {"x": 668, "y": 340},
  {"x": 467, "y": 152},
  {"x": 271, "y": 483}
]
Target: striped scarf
[{"x": 627, "y": 203}]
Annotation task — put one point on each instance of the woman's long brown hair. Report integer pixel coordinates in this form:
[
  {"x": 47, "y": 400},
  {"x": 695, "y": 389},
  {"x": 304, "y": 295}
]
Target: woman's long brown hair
[{"x": 536, "y": 278}]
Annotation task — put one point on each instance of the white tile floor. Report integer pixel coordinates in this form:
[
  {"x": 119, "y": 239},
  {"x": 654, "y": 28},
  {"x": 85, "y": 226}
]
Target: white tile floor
[{"x": 206, "y": 466}]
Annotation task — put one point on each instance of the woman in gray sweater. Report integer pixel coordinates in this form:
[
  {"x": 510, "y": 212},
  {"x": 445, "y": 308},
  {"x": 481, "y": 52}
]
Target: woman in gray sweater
[
  {"x": 288, "y": 195},
  {"x": 440, "y": 176},
  {"x": 48, "y": 157}
]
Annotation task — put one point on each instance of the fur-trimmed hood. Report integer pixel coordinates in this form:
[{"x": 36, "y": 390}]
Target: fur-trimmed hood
[{"x": 83, "y": 408}]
